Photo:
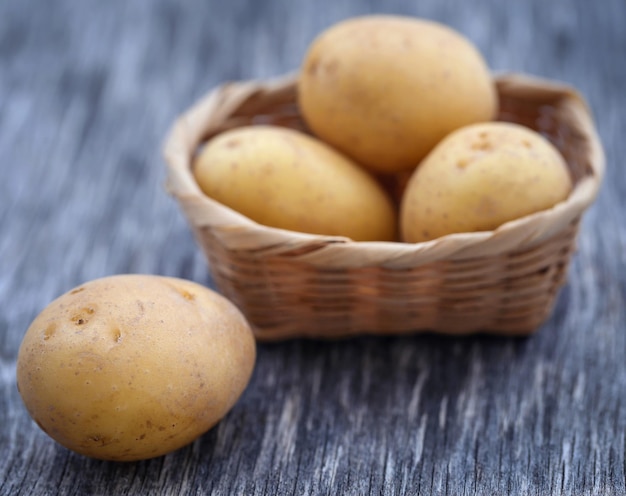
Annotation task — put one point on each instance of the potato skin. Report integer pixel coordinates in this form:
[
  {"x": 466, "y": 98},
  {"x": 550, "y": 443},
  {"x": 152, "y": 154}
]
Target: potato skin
[
  {"x": 131, "y": 367},
  {"x": 480, "y": 177},
  {"x": 385, "y": 89},
  {"x": 283, "y": 178}
]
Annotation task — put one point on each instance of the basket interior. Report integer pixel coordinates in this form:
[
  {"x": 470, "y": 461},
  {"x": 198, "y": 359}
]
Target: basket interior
[{"x": 543, "y": 115}]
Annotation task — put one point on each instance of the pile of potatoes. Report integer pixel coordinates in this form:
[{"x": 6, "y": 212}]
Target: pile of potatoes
[
  {"x": 393, "y": 101},
  {"x": 130, "y": 367}
]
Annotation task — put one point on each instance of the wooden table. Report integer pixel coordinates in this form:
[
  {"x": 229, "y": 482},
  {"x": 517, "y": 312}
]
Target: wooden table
[{"x": 87, "y": 92}]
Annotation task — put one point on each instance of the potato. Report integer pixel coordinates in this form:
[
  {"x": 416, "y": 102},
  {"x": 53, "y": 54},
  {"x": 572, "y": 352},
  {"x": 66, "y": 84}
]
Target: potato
[
  {"x": 386, "y": 89},
  {"x": 283, "y": 178},
  {"x": 130, "y": 367},
  {"x": 480, "y": 177}
]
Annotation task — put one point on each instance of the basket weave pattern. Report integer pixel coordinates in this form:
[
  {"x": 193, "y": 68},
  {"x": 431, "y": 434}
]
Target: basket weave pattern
[{"x": 294, "y": 284}]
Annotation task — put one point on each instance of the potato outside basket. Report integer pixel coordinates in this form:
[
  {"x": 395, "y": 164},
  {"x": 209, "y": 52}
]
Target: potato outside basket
[{"x": 291, "y": 284}]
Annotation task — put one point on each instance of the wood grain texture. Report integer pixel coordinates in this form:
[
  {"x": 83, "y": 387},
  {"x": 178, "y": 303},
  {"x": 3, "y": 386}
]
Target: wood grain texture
[{"x": 87, "y": 92}]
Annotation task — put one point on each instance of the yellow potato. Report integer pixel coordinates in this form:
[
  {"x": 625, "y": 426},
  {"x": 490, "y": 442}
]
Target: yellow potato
[
  {"x": 480, "y": 177},
  {"x": 385, "y": 89},
  {"x": 131, "y": 367},
  {"x": 283, "y": 178}
]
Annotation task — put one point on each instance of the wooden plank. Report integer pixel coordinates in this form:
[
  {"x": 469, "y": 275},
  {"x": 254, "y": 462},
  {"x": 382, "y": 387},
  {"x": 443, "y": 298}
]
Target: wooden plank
[{"x": 87, "y": 92}]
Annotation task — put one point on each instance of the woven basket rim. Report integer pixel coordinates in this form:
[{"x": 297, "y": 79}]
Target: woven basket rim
[{"x": 238, "y": 232}]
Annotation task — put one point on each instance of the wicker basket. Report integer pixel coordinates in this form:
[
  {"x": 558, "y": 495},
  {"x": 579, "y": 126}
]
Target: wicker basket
[{"x": 291, "y": 284}]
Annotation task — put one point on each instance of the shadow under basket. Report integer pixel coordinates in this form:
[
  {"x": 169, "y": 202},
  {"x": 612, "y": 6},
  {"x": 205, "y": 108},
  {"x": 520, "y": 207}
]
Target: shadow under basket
[{"x": 291, "y": 284}]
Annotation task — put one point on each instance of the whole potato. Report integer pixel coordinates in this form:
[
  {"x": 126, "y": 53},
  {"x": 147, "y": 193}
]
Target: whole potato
[
  {"x": 130, "y": 367},
  {"x": 385, "y": 89},
  {"x": 480, "y": 177},
  {"x": 283, "y": 178}
]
